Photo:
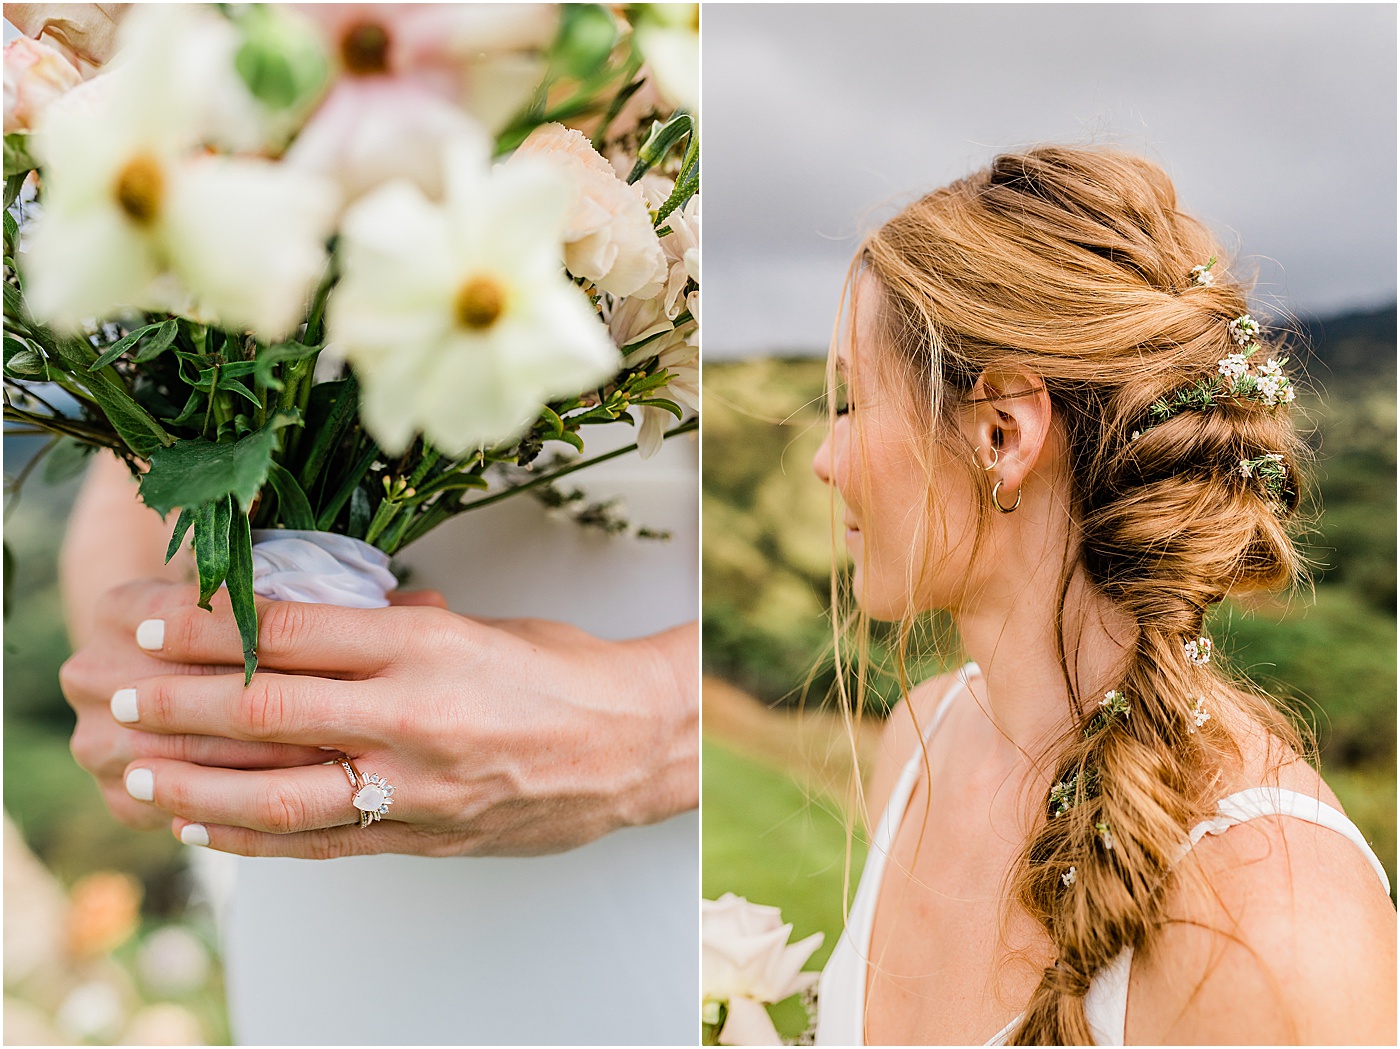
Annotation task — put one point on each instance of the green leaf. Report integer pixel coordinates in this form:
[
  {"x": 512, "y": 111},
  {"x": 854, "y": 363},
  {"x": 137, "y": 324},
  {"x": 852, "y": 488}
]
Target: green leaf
[
  {"x": 348, "y": 486},
  {"x": 572, "y": 438},
  {"x": 67, "y": 459},
  {"x": 551, "y": 419},
  {"x": 137, "y": 428},
  {"x": 25, "y": 363},
  {"x": 211, "y": 546},
  {"x": 670, "y": 406},
  {"x": 274, "y": 355},
  {"x": 360, "y": 513},
  {"x": 14, "y": 307},
  {"x": 18, "y": 159},
  {"x": 293, "y": 508},
  {"x": 195, "y": 471},
  {"x": 162, "y": 341},
  {"x": 334, "y": 403},
  {"x": 240, "y": 590},
  {"x": 660, "y": 141},
  {"x": 587, "y": 33},
  {"x": 166, "y": 335},
  {"x": 182, "y": 525},
  {"x": 13, "y": 184}
]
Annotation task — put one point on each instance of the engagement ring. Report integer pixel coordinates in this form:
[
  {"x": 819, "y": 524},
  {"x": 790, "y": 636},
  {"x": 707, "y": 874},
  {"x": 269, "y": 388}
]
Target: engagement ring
[{"x": 373, "y": 794}]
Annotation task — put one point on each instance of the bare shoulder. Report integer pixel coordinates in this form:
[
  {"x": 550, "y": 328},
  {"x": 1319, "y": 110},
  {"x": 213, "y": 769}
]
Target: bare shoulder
[
  {"x": 1279, "y": 931},
  {"x": 900, "y": 737}
]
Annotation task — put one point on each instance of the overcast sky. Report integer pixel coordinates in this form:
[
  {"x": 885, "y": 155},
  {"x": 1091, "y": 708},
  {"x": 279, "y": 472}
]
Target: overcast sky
[{"x": 1277, "y": 123}]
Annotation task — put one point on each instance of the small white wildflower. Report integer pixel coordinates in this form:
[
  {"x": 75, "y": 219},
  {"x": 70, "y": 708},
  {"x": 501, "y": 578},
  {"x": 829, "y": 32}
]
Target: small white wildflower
[
  {"x": 1246, "y": 468},
  {"x": 1199, "y": 714},
  {"x": 1106, "y": 835},
  {"x": 1244, "y": 329},
  {"x": 1114, "y": 702},
  {"x": 1070, "y": 876},
  {"x": 1136, "y": 434},
  {"x": 1198, "y": 651},
  {"x": 1275, "y": 456},
  {"x": 1201, "y": 276},
  {"x": 1271, "y": 367},
  {"x": 1234, "y": 366}
]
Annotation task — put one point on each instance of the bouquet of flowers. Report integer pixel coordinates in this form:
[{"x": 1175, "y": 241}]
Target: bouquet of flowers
[{"x": 332, "y": 274}]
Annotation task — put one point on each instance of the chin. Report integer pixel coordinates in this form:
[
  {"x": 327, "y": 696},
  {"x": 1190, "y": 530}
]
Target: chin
[{"x": 884, "y": 607}]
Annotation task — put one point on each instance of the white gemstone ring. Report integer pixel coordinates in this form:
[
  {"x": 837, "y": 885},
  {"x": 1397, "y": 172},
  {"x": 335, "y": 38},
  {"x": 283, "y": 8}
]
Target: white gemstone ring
[{"x": 373, "y": 794}]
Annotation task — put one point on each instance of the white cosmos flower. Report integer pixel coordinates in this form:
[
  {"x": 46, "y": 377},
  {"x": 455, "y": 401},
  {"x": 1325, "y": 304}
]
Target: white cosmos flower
[
  {"x": 458, "y": 318},
  {"x": 136, "y": 215}
]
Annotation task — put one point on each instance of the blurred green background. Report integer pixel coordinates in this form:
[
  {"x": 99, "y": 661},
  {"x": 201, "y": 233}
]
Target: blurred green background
[
  {"x": 775, "y": 776},
  {"x": 102, "y": 959}
]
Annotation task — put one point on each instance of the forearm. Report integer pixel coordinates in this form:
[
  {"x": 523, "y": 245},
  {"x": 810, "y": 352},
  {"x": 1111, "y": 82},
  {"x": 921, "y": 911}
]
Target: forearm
[
  {"x": 677, "y": 783},
  {"x": 112, "y": 538}
]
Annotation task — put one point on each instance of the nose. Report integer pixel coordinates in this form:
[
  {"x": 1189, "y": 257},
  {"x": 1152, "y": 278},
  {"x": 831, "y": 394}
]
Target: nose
[{"x": 821, "y": 462}]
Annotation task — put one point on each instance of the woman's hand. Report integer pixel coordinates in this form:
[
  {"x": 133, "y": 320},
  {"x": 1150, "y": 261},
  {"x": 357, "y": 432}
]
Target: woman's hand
[
  {"x": 507, "y": 737},
  {"x": 111, "y": 661}
]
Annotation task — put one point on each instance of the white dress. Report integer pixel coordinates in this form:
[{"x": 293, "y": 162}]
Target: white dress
[
  {"x": 841, "y": 993},
  {"x": 599, "y": 945}
]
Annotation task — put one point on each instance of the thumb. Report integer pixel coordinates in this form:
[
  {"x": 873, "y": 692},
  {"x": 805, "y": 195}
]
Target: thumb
[{"x": 432, "y": 598}]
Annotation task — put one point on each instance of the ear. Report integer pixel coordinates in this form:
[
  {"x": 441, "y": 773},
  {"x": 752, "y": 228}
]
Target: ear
[{"x": 1010, "y": 413}]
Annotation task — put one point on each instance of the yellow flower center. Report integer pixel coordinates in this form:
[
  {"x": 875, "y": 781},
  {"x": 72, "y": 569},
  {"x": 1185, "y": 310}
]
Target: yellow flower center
[
  {"x": 480, "y": 302},
  {"x": 140, "y": 186},
  {"x": 365, "y": 49}
]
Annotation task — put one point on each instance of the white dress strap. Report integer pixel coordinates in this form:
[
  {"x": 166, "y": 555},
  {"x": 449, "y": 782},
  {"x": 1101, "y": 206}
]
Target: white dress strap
[
  {"x": 841, "y": 1015},
  {"x": 1275, "y": 801}
]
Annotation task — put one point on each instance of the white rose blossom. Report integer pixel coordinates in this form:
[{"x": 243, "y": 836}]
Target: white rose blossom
[
  {"x": 458, "y": 318},
  {"x": 609, "y": 238},
  {"x": 137, "y": 215},
  {"x": 746, "y": 961},
  {"x": 35, "y": 75}
]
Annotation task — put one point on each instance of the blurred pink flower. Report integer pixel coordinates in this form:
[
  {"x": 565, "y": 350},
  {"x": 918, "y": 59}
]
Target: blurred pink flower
[
  {"x": 609, "y": 238},
  {"x": 35, "y": 75},
  {"x": 413, "y": 77},
  {"x": 85, "y": 34}
]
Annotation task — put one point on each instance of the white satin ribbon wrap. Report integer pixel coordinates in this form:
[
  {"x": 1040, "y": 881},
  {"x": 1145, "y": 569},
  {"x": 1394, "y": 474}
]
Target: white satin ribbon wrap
[{"x": 321, "y": 567}]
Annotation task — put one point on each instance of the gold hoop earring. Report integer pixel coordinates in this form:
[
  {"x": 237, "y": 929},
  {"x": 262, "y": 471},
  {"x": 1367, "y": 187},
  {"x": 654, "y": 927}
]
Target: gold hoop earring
[
  {"x": 996, "y": 458},
  {"x": 996, "y": 501}
]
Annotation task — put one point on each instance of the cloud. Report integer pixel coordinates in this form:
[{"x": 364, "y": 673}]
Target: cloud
[{"x": 1277, "y": 123}]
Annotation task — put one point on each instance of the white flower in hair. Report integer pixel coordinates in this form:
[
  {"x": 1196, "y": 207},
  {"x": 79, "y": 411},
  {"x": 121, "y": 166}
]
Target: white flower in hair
[
  {"x": 1198, "y": 651},
  {"x": 1106, "y": 835},
  {"x": 1070, "y": 876},
  {"x": 1246, "y": 468},
  {"x": 1244, "y": 329},
  {"x": 1233, "y": 366},
  {"x": 1115, "y": 703},
  {"x": 1201, "y": 276},
  {"x": 1199, "y": 714}
]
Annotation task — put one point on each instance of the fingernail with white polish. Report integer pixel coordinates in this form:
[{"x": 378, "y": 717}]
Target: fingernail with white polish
[
  {"x": 124, "y": 705},
  {"x": 150, "y": 635},
  {"x": 141, "y": 784},
  {"x": 194, "y": 834}
]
